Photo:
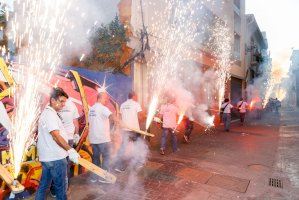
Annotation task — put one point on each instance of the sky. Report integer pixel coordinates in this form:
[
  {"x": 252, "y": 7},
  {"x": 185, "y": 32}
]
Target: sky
[{"x": 279, "y": 18}]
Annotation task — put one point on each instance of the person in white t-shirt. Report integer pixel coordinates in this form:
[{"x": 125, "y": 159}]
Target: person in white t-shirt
[
  {"x": 69, "y": 116},
  {"x": 52, "y": 147},
  {"x": 130, "y": 112},
  {"x": 168, "y": 112},
  {"x": 5, "y": 126},
  {"x": 242, "y": 106},
  {"x": 226, "y": 118},
  {"x": 99, "y": 132}
]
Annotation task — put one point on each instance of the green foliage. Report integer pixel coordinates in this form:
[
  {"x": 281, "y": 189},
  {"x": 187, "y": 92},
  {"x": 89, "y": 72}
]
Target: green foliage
[{"x": 107, "y": 42}]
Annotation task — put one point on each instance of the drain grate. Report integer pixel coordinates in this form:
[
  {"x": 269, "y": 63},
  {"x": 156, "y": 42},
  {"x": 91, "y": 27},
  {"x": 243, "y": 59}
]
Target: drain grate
[{"x": 274, "y": 182}]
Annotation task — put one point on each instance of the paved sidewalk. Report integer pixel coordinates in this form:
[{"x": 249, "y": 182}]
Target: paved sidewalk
[{"x": 215, "y": 165}]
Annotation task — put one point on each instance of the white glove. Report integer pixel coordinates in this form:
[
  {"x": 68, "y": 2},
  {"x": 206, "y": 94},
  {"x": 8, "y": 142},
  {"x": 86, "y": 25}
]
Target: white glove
[
  {"x": 76, "y": 138},
  {"x": 73, "y": 155}
]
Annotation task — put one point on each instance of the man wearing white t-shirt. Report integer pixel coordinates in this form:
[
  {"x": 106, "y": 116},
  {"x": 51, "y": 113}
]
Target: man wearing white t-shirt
[
  {"x": 69, "y": 116},
  {"x": 242, "y": 106},
  {"x": 130, "y": 112},
  {"x": 99, "y": 132},
  {"x": 5, "y": 125},
  {"x": 53, "y": 148},
  {"x": 169, "y": 113},
  {"x": 226, "y": 118}
]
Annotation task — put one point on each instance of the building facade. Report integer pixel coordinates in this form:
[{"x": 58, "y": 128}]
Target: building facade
[
  {"x": 293, "y": 94},
  {"x": 232, "y": 12},
  {"x": 256, "y": 50}
]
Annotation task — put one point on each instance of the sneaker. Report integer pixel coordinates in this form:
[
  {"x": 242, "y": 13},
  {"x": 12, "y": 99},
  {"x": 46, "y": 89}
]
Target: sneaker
[
  {"x": 119, "y": 170},
  {"x": 93, "y": 180},
  {"x": 186, "y": 138},
  {"x": 177, "y": 150},
  {"x": 52, "y": 194},
  {"x": 103, "y": 181},
  {"x": 162, "y": 152}
]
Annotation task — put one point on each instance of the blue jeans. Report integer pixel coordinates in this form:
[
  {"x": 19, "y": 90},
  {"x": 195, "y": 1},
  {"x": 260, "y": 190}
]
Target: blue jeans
[
  {"x": 173, "y": 139},
  {"x": 69, "y": 174},
  {"x": 226, "y": 120},
  {"x": 103, "y": 150},
  {"x": 56, "y": 171}
]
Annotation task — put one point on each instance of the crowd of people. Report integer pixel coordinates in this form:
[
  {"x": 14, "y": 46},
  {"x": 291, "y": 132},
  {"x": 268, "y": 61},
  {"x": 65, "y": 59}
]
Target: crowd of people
[{"x": 58, "y": 132}]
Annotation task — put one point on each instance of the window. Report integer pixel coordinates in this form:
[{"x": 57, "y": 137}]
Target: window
[
  {"x": 237, "y": 3},
  {"x": 237, "y": 45}
]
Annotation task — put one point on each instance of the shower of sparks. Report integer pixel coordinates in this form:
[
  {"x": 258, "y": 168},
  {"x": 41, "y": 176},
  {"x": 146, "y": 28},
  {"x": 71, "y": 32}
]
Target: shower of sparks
[
  {"x": 274, "y": 80},
  {"x": 220, "y": 43},
  {"x": 181, "y": 116},
  {"x": 281, "y": 94},
  {"x": 38, "y": 30},
  {"x": 210, "y": 121},
  {"x": 174, "y": 33},
  {"x": 251, "y": 104},
  {"x": 82, "y": 57},
  {"x": 151, "y": 111}
]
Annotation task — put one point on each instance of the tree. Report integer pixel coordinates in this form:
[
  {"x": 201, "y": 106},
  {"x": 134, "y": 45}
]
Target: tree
[{"x": 108, "y": 47}]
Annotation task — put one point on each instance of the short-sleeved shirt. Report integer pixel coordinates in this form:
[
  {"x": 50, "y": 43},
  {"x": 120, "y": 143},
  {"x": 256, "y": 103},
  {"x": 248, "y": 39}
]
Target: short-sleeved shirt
[
  {"x": 242, "y": 106},
  {"x": 68, "y": 114},
  {"x": 129, "y": 113},
  {"x": 4, "y": 118},
  {"x": 99, "y": 126},
  {"x": 227, "y": 107},
  {"x": 169, "y": 113},
  {"x": 48, "y": 149}
]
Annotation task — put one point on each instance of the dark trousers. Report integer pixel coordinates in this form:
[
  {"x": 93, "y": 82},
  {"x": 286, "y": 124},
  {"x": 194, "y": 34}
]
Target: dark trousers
[
  {"x": 226, "y": 120},
  {"x": 103, "y": 150},
  {"x": 242, "y": 117},
  {"x": 189, "y": 128},
  {"x": 174, "y": 140},
  {"x": 127, "y": 138}
]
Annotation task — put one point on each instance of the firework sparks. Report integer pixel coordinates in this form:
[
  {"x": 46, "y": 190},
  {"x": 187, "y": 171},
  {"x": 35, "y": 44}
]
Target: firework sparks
[
  {"x": 38, "y": 30},
  {"x": 181, "y": 116},
  {"x": 151, "y": 111},
  {"x": 82, "y": 57},
  {"x": 251, "y": 104},
  {"x": 220, "y": 43}
]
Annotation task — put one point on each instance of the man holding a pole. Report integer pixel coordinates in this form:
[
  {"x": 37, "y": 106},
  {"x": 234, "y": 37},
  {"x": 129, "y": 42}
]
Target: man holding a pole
[
  {"x": 53, "y": 147},
  {"x": 130, "y": 112}
]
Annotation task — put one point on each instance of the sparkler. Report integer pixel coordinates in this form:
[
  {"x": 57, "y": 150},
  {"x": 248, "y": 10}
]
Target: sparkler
[
  {"x": 220, "y": 44},
  {"x": 38, "y": 30},
  {"x": 176, "y": 33},
  {"x": 251, "y": 104},
  {"x": 82, "y": 57},
  {"x": 151, "y": 111},
  {"x": 176, "y": 30}
]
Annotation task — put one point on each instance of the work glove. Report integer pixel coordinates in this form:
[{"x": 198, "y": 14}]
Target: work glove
[
  {"x": 76, "y": 138},
  {"x": 73, "y": 155}
]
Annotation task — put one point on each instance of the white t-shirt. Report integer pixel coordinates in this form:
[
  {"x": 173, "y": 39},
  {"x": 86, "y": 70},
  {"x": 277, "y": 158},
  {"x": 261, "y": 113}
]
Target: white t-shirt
[
  {"x": 99, "y": 126},
  {"x": 169, "y": 113},
  {"x": 4, "y": 118},
  {"x": 48, "y": 149},
  {"x": 242, "y": 106},
  {"x": 129, "y": 113},
  {"x": 227, "y": 108},
  {"x": 68, "y": 114}
]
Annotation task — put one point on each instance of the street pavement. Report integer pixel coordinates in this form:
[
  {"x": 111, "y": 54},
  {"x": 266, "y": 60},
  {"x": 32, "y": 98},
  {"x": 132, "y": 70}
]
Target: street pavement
[{"x": 215, "y": 165}]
